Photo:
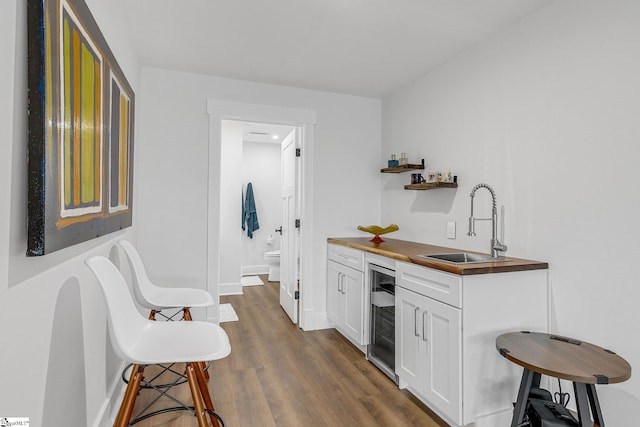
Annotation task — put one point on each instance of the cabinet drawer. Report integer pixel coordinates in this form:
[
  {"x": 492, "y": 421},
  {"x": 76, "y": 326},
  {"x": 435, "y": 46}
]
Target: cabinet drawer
[
  {"x": 346, "y": 256},
  {"x": 435, "y": 284}
]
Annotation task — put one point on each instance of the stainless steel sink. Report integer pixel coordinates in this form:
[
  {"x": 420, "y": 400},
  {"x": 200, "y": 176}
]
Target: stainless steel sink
[{"x": 464, "y": 258}]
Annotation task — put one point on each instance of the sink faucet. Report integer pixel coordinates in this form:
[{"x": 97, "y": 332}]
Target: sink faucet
[{"x": 496, "y": 246}]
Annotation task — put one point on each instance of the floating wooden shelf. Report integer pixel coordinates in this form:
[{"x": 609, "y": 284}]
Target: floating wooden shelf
[
  {"x": 431, "y": 185},
  {"x": 403, "y": 168}
]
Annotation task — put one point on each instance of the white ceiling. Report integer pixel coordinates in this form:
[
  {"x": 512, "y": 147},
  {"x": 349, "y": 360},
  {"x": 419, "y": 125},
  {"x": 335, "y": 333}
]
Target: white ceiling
[
  {"x": 265, "y": 132},
  {"x": 359, "y": 47}
]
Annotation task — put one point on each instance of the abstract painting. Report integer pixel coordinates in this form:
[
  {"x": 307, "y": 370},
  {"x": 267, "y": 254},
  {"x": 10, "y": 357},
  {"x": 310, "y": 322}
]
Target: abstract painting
[{"x": 81, "y": 116}]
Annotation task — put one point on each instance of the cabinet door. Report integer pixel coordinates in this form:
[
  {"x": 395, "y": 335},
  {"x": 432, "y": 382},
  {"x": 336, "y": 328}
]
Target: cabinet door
[
  {"x": 441, "y": 335},
  {"x": 335, "y": 302},
  {"x": 409, "y": 363},
  {"x": 353, "y": 294}
]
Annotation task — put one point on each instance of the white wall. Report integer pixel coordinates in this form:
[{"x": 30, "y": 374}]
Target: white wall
[
  {"x": 230, "y": 208},
  {"x": 261, "y": 166},
  {"x": 546, "y": 113},
  {"x": 57, "y": 366},
  {"x": 174, "y": 131}
]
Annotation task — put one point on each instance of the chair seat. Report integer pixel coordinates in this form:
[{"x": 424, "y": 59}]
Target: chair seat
[
  {"x": 175, "y": 342},
  {"x": 162, "y": 298}
]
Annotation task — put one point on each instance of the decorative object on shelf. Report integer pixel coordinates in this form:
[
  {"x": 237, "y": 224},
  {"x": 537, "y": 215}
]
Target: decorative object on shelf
[
  {"x": 403, "y": 160},
  {"x": 393, "y": 162},
  {"x": 401, "y": 168},
  {"x": 441, "y": 176},
  {"x": 377, "y": 231},
  {"x": 417, "y": 178}
]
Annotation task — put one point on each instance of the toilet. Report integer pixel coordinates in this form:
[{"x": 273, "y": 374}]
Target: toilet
[{"x": 273, "y": 261}]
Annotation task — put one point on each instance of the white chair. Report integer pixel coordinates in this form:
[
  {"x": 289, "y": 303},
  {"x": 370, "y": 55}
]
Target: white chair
[
  {"x": 158, "y": 298},
  {"x": 143, "y": 342}
]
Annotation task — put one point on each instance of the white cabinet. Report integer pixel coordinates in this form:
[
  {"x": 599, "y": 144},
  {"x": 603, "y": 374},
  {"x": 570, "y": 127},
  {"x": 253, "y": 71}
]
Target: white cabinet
[
  {"x": 445, "y": 330},
  {"x": 345, "y": 291},
  {"x": 446, "y": 326},
  {"x": 428, "y": 350}
]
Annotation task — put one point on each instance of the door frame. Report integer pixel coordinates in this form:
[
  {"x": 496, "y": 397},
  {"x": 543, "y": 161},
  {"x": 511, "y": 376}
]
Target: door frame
[{"x": 219, "y": 110}]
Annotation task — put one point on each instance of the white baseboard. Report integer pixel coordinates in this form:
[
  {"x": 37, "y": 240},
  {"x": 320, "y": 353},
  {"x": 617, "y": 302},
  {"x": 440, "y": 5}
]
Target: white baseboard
[
  {"x": 103, "y": 419},
  {"x": 109, "y": 409},
  {"x": 499, "y": 418},
  {"x": 231, "y": 288},
  {"x": 254, "y": 270},
  {"x": 315, "y": 321}
]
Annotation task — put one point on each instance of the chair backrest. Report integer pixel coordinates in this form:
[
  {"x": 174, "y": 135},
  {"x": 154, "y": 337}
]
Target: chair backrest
[
  {"x": 126, "y": 324},
  {"x": 143, "y": 289}
]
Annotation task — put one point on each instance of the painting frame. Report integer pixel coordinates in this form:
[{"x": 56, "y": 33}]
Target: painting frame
[{"x": 81, "y": 111}]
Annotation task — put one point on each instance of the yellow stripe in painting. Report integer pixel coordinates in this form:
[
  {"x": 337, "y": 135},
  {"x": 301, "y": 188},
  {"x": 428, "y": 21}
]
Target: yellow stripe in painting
[
  {"x": 66, "y": 131},
  {"x": 123, "y": 151},
  {"x": 87, "y": 117},
  {"x": 76, "y": 117},
  {"x": 98, "y": 124}
]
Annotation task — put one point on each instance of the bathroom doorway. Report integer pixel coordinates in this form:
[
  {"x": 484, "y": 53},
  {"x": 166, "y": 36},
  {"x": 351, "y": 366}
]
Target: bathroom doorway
[
  {"x": 261, "y": 166},
  {"x": 224, "y": 213},
  {"x": 270, "y": 165}
]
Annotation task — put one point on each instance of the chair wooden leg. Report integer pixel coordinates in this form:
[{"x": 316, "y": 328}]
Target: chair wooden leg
[
  {"x": 203, "y": 366},
  {"x": 129, "y": 400},
  {"x": 187, "y": 316},
  {"x": 196, "y": 395},
  {"x": 152, "y": 315},
  {"x": 206, "y": 396}
]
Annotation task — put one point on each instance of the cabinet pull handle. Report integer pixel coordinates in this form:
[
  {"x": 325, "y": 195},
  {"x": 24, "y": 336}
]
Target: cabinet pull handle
[
  {"x": 343, "y": 277},
  {"x": 415, "y": 322},
  {"x": 424, "y": 326},
  {"x": 340, "y": 282}
]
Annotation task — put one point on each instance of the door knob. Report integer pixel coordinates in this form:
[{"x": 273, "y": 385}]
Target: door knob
[{"x": 279, "y": 230}]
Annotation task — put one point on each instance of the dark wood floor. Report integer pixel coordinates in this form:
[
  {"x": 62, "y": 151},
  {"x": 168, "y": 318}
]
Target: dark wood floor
[{"x": 278, "y": 375}]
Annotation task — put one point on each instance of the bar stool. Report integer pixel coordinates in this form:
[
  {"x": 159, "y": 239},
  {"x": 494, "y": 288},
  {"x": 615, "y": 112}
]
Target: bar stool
[
  {"x": 143, "y": 342},
  {"x": 157, "y": 298}
]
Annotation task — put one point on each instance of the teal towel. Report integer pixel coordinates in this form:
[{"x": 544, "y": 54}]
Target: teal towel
[{"x": 250, "y": 214}]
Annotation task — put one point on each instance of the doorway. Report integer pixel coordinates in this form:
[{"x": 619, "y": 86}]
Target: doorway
[
  {"x": 223, "y": 231},
  {"x": 270, "y": 169}
]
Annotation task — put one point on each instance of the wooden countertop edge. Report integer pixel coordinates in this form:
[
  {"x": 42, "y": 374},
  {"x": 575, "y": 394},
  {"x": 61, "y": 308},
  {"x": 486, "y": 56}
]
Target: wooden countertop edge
[
  {"x": 413, "y": 249},
  {"x": 394, "y": 255}
]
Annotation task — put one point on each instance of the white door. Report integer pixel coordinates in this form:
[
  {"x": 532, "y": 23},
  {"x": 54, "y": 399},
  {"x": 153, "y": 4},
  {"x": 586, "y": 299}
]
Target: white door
[
  {"x": 353, "y": 292},
  {"x": 335, "y": 307},
  {"x": 441, "y": 324},
  {"x": 288, "y": 247},
  {"x": 409, "y": 365}
]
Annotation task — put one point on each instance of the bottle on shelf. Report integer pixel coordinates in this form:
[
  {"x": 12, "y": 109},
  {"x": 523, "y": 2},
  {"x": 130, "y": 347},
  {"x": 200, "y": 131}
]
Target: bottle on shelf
[{"x": 403, "y": 160}]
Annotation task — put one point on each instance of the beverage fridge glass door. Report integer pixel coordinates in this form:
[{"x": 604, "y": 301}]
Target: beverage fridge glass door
[{"x": 381, "y": 350}]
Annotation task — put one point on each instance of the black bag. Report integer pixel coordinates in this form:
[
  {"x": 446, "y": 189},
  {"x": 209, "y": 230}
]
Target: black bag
[
  {"x": 539, "y": 393},
  {"x": 545, "y": 413}
]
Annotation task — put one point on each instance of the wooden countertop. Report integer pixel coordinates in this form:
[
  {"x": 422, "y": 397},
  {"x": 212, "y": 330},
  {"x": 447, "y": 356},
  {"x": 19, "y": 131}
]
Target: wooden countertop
[{"x": 403, "y": 250}]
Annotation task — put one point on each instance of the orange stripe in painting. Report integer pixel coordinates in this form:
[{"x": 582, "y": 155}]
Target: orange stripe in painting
[
  {"x": 76, "y": 118},
  {"x": 98, "y": 134}
]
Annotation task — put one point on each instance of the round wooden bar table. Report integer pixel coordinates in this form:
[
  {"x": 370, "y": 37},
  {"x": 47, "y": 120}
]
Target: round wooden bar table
[{"x": 582, "y": 363}]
